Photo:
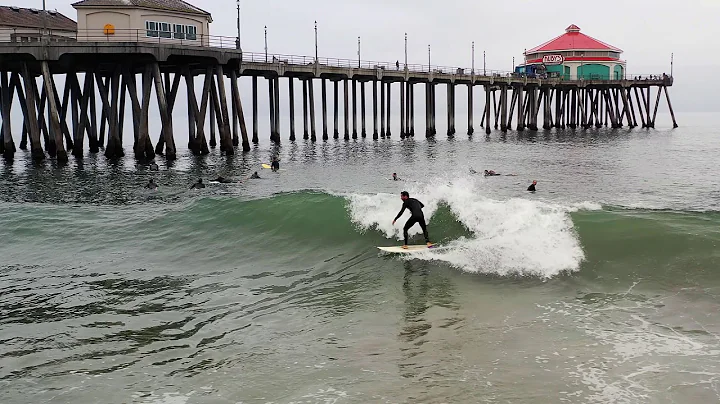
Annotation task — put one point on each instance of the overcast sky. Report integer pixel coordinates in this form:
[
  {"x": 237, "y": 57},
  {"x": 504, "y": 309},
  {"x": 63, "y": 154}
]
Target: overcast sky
[{"x": 647, "y": 31}]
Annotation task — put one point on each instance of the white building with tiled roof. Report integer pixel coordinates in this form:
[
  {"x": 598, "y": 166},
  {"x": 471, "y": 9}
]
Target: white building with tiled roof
[
  {"x": 19, "y": 24},
  {"x": 163, "y": 21}
]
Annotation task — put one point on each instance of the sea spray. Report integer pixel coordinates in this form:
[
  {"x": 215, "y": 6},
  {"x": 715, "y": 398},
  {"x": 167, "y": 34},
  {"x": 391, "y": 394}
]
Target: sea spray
[{"x": 512, "y": 237}]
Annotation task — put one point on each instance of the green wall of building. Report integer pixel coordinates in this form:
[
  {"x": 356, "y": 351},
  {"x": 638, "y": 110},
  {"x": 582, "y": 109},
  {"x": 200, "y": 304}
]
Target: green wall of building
[
  {"x": 618, "y": 74},
  {"x": 593, "y": 71}
]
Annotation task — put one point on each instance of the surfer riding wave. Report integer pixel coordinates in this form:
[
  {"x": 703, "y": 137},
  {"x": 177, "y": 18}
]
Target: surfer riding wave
[{"x": 416, "y": 216}]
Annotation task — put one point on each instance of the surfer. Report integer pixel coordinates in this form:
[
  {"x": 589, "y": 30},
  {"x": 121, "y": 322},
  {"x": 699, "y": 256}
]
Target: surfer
[
  {"x": 416, "y": 216},
  {"x": 151, "y": 185},
  {"x": 199, "y": 184},
  {"x": 255, "y": 176},
  {"x": 275, "y": 165},
  {"x": 472, "y": 171},
  {"x": 395, "y": 177},
  {"x": 531, "y": 188},
  {"x": 490, "y": 173}
]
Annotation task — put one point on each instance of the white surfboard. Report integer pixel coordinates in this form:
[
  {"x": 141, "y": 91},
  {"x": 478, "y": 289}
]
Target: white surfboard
[{"x": 410, "y": 249}]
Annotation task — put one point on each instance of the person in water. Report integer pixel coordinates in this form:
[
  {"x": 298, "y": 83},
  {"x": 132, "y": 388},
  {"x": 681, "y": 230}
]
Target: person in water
[
  {"x": 472, "y": 171},
  {"x": 275, "y": 165},
  {"x": 199, "y": 184},
  {"x": 395, "y": 177},
  {"x": 490, "y": 173},
  {"x": 531, "y": 188},
  {"x": 416, "y": 216},
  {"x": 151, "y": 185},
  {"x": 255, "y": 176}
]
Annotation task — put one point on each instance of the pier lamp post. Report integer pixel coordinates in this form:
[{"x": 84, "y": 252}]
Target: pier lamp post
[
  {"x": 316, "y": 46},
  {"x": 429, "y": 68},
  {"x": 239, "y": 47},
  {"x": 672, "y": 56},
  {"x": 266, "y": 44},
  {"x": 513, "y": 65},
  {"x": 472, "y": 70},
  {"x": 406, "y": 52},
  {"x": 484, "y": 65},
  {"x": 358, "y": 52}
]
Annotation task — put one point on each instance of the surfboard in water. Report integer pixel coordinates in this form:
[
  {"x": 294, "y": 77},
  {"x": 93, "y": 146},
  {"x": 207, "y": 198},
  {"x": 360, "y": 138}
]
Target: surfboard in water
[
  {"x": 410, "y": 249},
  {"x": 267, "y": 166}
]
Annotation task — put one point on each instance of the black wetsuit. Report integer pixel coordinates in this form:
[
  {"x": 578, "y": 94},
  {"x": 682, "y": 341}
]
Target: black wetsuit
[
  {"x": 531, "y": 188},
  {"x": 255, "y": 176},
  {"x": 275, "y": 165},
  {"x": 198, "y": 185},
  {"x": 416, "y": 216}
]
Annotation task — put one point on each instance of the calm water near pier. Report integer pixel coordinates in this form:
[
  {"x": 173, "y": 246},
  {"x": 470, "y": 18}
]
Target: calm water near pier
[{"x": 602, "y": 287}]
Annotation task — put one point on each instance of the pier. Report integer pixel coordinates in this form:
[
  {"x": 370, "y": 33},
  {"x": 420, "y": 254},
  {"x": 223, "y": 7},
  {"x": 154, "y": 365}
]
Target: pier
[{"x": 102, "y": 81}]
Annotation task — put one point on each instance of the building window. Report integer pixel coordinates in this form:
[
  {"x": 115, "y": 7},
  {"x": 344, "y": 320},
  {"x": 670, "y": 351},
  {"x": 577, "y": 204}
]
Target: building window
[
  {"x": 165, "y": 30},
  {"x": 191, "y": 33},
  {"x": 158, "y": 29},
  {"x": 179, "y": 31},
  {"x": 152, "y": 29}
]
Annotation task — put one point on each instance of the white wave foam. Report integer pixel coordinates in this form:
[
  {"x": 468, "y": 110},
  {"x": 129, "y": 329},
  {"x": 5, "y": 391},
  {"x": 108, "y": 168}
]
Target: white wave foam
[{"x": 516, "y": 236}]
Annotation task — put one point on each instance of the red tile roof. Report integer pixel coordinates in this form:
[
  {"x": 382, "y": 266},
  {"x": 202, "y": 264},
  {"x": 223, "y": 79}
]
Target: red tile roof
[
  {"x": 33, "y": 18},
  {"x": 167, "y": 5},
  {"x": 573, "y": 39}
]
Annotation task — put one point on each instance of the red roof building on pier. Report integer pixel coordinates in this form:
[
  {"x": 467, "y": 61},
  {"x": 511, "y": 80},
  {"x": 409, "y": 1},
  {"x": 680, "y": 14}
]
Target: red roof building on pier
[{"x": 574, "y": 55}]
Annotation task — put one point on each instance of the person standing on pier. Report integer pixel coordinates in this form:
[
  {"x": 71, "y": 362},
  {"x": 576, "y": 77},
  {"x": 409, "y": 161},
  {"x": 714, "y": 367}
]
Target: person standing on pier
[{"x": 416, "y": 216}]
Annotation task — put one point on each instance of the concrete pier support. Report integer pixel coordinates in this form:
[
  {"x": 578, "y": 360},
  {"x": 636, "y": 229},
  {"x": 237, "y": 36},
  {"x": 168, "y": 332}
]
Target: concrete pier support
[
  {"x": 271, "y": 106},
  {"x": 7, "y": 146},
  {"x": 311, "y": 94},
  {"x": 254, "y": 110},
  {"x": 433, "y": 128},
  {"x": 402, "y": 110},
  {"x": 354, "y": 109},
  {"x": 324, "y": 109},
  {"x": 346, "y": 108},
  {"x": 449, "y": 108},
  {"x": 306, "y": 133},
  {"x": 375, "y": 109},
  {"x": 213, "y": 118},
  {"x": 336, "y": 109},
  {"x": 389, "y": 104},
  {"x": 672, "y": 113},
  {"x": 382, "y": 109},
  {"x": 546, "y": 108},
  {"x": 487, "y": 110},
  {"x": 277, "y": 109},
  {"x": 453, "y": 102},
  {"x": 470, "y": 114},
  {"x": 411, "y": 103},
  {"x": 428, "y": 130},
  {"x": 363, "y": 133},
  {"x": 291, "y": 107},
  {"x": 521, "y": 109},
  {"x": 503, "y": 109}
]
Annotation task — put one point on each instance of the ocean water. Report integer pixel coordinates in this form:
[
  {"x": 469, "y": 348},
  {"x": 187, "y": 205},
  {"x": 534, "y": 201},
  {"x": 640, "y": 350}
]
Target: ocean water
[{"x": 602, "y": 287}]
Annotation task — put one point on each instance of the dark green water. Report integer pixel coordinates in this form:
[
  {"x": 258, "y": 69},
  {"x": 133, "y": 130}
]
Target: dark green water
[{"x": 601, "y": 287}]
